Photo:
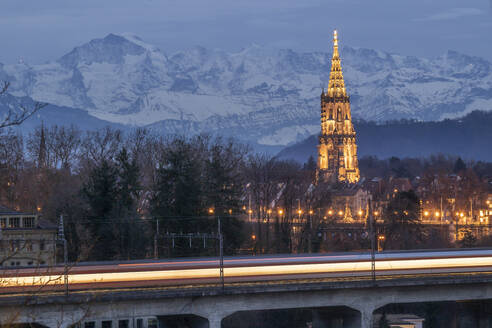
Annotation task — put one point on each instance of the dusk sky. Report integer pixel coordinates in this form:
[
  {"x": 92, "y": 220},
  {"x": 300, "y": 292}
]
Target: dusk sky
[{"x": 39, "y": 31}]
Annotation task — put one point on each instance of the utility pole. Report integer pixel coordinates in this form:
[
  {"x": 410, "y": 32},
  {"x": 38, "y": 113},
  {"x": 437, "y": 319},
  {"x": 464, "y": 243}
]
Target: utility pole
[
  {"x": 373, "y": 243},
  {"x": 156, "y": 234},
  {"x": 249, "y": 207},
  {"x": 310, "y": 237},
  {"x": 221, "y": 253},
  {"x": 441, "y": 211},
  {"x": 61, "y": 237},
  {"x": 471, "y": 209},
  {"x": 203, "y": 236}
]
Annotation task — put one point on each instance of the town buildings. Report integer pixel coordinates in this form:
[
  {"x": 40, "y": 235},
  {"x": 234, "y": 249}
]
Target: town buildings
[{"x": 25, "y": 239}]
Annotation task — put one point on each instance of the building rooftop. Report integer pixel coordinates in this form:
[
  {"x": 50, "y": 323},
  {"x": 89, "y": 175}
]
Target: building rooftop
[{"x": 8, "y": 211}]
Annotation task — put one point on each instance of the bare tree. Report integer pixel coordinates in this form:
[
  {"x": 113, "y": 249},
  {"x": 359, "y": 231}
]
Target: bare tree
[{"x": 16, "y": 116}]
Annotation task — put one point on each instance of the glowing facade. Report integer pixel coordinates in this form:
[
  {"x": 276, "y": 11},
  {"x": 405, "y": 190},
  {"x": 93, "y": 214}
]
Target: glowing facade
[{"x": 337, "y": 150}]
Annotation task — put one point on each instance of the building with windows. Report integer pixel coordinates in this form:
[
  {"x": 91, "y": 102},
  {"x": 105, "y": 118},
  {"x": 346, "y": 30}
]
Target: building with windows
[
  {"x": 25, "y": 239},
  {"x": 337, "y": 149}
]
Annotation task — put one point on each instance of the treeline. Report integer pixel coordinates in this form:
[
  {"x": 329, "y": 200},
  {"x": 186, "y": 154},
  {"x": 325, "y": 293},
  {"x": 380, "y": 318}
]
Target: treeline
[{"x": 114, "y": 190}]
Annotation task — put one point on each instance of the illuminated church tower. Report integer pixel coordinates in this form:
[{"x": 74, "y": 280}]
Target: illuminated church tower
[{"x": 337, "y": 151}]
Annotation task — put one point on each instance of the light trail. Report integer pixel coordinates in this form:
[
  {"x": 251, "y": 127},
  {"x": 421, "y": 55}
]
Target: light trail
[{"x": 257, "y": 270}]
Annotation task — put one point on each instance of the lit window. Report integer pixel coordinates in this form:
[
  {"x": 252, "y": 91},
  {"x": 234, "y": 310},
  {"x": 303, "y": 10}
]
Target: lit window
[
  {"x": 14, "y": 222},
  {"x": 28, "y": 245},
  {"x": 14, "y": 245}
]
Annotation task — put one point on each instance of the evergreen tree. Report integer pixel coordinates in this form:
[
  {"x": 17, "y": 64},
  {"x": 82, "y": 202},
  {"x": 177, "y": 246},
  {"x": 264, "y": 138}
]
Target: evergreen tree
[
  {"x": 459, "y": 166},
  {"x": 177, "y": 193},
  {"x": 310, "y": 165},
  {"x": 101, "y": 193},
  {"x": 223, "y": 188},
  {"x": 131, "y": 234}
]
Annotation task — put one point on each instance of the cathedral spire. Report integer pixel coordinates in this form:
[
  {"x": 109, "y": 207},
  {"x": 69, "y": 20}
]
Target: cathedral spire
[
  {"x": 337, "y": 149},
  {"x": 336, "y": 85}
]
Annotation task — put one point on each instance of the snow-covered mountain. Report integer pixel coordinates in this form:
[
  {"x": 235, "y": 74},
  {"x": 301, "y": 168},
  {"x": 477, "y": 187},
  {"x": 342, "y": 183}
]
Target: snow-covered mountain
[{"x": 265, "y": 96}]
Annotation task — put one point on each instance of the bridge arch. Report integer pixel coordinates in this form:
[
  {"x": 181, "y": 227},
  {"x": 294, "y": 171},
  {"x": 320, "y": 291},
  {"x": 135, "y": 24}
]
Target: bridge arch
[{"x": 336, "y": 316}]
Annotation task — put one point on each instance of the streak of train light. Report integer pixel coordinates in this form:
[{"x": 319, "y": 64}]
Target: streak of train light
[{"x": 268, "y": 271}]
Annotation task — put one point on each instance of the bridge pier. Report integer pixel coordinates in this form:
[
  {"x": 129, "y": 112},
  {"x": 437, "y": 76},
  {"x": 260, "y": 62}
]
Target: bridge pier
[
  {"x": 214, "y": 321},
  {"x": 366, "y": 319}
]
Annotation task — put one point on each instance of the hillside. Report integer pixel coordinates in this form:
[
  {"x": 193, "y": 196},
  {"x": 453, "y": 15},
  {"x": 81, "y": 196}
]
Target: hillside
[{"x": 469, "y": 137}]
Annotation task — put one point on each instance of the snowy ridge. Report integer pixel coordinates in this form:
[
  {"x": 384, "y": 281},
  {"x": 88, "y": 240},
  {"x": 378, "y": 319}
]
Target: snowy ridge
[{"x": 261, "y": 95}]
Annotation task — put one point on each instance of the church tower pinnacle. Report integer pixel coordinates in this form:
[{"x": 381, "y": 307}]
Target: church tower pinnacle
[{"x": 337, "y": 150}]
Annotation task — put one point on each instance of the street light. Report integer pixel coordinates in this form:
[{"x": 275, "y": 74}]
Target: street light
[
  {"x": 426, "y": 213},
  {"x": 340, "y": 213},
  {"x": 210, "y": 211},
  {"x": 381, "y": 238},
  {"x": 280, "y": 212}
]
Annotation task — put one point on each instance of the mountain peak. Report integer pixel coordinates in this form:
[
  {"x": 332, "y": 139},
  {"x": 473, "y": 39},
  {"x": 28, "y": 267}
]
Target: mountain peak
[
  {"x": 111, "y": 49},
  {"x": 133, "y": 38}
]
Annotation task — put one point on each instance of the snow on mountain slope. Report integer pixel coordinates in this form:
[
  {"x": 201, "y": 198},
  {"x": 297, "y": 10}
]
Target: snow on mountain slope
[{"x": 262, "y": 95}]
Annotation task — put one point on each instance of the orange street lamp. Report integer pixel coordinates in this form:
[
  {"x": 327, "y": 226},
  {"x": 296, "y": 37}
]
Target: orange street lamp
[
  {"x": 253, "y": 236},
  {"x": 250, "y": 211},
  {"x": 437, "y": 214},
  {"x": 340, "y": 213},
  {"x": 210, "y": 211},
  {"x": 426, "y": 213},
  {"x": 376, "y": 213},
  {"x": 299, "y": 212},
  {"x": 381, "y": 239},
  {"x": 330, "y": 212},
  {"x": 280, "y": 211},
  {"x": 360, "y": 212},
  {"x": 311, "y": 212}
]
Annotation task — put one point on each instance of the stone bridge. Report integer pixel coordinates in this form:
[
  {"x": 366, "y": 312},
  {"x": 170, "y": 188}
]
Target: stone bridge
[{"x": 214, "y": 303}]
